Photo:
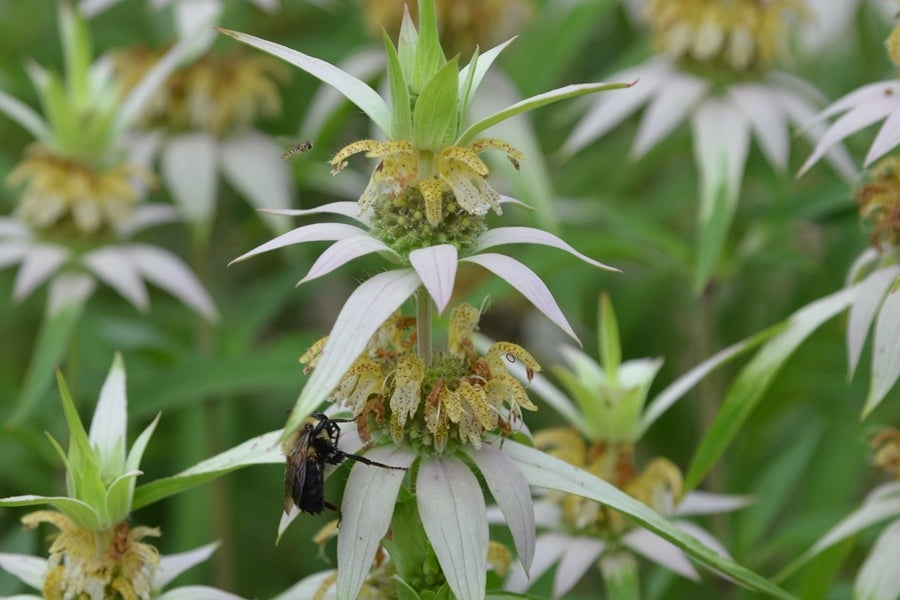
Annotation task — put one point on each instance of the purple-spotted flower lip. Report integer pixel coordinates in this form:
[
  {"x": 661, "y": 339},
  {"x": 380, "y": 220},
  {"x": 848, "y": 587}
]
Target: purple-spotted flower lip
[
  {"x": 434, "y": 266},
  {"x": 859, "y": 109},
  {"x": 124, "y": 265}
]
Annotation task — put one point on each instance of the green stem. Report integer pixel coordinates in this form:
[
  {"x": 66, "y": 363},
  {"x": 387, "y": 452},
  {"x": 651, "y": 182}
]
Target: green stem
[
  {"x": 423, "y": 325},
  {"x": 620, "y": 576}
]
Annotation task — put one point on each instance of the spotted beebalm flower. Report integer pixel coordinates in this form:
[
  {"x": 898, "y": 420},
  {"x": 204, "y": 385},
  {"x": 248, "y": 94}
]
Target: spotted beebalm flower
[
  {"x": 878, "y": 578},
  {"x": 97, "y": 553},
  {"x": 876, "y": 275},
  {"x": 425, "y": 203},
  {"x": 859, "y": 109},
  {"x": 446, "y": 423},
  {"x": 713, "y": 68},
  {"x": 81, "y": 197},
  {"x": 608, "y": 417},
  {"x": 438, "y": 420},
  {"x": 201, "y": 123}
]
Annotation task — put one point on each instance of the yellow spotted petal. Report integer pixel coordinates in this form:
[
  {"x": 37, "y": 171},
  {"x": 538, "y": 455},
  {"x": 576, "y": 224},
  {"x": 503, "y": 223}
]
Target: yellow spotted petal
[
  {"x": 466, "y": 158},
  {"x": 562, "y": 442},
  {"x": 507, "y": 351},
  {"x": 463, "y": 324},
  {"x": 370, "y": 147},
  {"x": 407, "y": 385},
  {"x": 432, "y": 190}
]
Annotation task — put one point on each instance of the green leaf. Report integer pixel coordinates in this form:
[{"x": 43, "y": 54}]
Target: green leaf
[
  {"x": 57, "y": 110},
  {"x": 76, "y": 46},
  {"x": 48, "y": 351},
  {"x": 25, "y": 116},
  {"x": 678, "y": 388},
  {"x": 755, "y": 377},
  {"x": 570, "y": 91},
  {"x": 81, "y": 513},
  {"x": 472, "y": 74},
  {"x": 356, "y": 91},
  {"x": 401, "y": 114},
  {"x": 885, "y": 351},
  {"x": 620, "y": 576},
  {"x": 713, "y": 229},
  {"x": 542, "y": 470},
  {"x": 404, "y": 590},
  {"x": 435, "y": 111},
  {"x": 406, "y": 45},
  {"x": 429, "y": 55},
  {"x": 263, "y": 449},
  {"x": 117, "y": 504},
  {"x": 610, "y": 346},
  {"x": 83, "y": 473}
]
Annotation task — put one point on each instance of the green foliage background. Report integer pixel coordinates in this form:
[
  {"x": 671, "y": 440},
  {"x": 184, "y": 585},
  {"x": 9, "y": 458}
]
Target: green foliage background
[{"x": 802, "y": 454}]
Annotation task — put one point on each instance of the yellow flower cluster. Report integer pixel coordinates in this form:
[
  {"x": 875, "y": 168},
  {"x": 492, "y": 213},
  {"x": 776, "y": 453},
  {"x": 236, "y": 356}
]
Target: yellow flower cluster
[
  {"x": 879, "y": 202},
  {"x": 97, "y": 565},
  {"x": 460, "y": 397},
  {"x": 458, "y": 169},
  {"x": 658, "y": 485},
  {"x": 217, "y": 92},
  {"x": 58, "y": 188},
  {"x": 886, "y": 444},
  {"x": 741, "y": 35}
]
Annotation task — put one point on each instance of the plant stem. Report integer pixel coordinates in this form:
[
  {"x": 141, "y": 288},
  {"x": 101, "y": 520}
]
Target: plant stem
[{"x": 423, "y": 325}]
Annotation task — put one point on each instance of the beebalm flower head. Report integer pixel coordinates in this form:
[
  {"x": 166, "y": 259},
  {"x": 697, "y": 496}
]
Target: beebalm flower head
[
  {"x": 100, "y": 474},
  {"x": 457, "y": 400},
  {"x": 218, "y": 92},
  {"x": 611, "y": 395},
  {"x": 737, "y": 36},
  {"x": 430, "y": 144},
  {"x": 77, "y": 171}
]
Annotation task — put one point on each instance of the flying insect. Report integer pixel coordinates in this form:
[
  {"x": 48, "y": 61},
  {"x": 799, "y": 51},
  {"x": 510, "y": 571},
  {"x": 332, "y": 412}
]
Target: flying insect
[
  {"x": 296, "y": 149},
  {"x": 312, "y": 446}
]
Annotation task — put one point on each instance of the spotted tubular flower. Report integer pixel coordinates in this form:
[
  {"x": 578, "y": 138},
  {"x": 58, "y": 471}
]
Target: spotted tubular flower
[
  {"x": 81, "y": 199},
  {"x": 713, "y": 68}
]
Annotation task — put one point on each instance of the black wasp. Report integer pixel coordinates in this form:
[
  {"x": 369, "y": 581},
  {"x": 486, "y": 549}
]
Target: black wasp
[{"x": 307, "y": 451}]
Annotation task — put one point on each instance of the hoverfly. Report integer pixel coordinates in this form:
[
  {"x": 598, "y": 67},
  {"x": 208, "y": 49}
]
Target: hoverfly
[
  {"x": 296, "y": 149},
  {"x": 307, "y": 451}
]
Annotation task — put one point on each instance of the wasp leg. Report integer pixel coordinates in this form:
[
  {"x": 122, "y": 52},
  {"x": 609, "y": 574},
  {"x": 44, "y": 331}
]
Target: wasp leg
[{"x": 366, "y": 461}]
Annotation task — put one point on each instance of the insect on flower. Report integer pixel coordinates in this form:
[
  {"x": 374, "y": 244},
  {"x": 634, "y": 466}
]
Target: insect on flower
[
  {"x": 305, "y": 146},
  {"x": 307, "y": 452}
]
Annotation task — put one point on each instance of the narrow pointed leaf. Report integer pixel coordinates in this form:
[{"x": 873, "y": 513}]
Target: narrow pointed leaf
[
  {"x": 31, "y": 570},
  {"x": 364, "y": 312},
  {"x": 545, "y": 471},
  {"x": 111, "y": 266},
  {"x": 401, "y": 114},
  {"x": 317, "y": 232},
  {"x": 81, "y": 513},
  {"x": 527, "y": 283},
  {"x": 41, "y": 262},
  {"x": 429, "y": 55},
  {"x": 885, "y": 352},
  {"x": 25, "y": 116},
  {"x": 51, "y": 342},
  {"x": 500, "y": 236},
  {"x": 879, "y": 578},
  {"x": 367, "y": 509},
  {"x": 263, "y": 449},
  {"x": 571, "y": 91},
  {"x": 579, "y": 555},
  {"x": 343, "y": 251},
  {"x": 167, "y": 271},
  {"x": 356, "y": 91},
  {"x": 452, "y": 509},
  {"x": 869, "y": 296},
  {"x": 435, "y": 111},
  {"x": 109, "y": 424},
  {"x": 172, "y": 565},
  {"x": 512, "y": 496},
  {"x": 471, "y": 76},
  {"x": 678, "y": 388},
  {"x": 755, "y": 377},
  {"x": 436, "y": 267},
  {"x": 188, "y": 168}
]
